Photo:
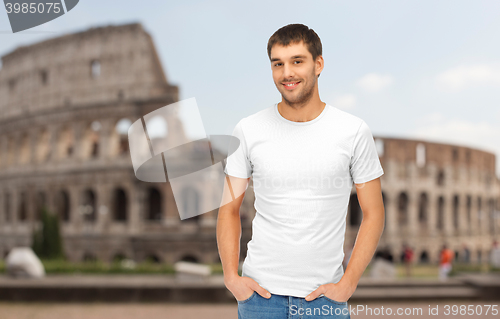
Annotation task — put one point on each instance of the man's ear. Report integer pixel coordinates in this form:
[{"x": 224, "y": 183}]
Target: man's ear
[{"x": 320, "y": 64}]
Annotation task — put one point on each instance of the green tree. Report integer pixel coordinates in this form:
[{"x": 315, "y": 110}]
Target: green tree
[{"x": 47, "y": 241}]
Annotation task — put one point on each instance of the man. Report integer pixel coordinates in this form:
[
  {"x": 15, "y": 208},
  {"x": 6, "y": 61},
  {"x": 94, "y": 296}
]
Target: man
[
  {"x": 303, "y": 155},
  {"x": 446, "y": 257},
  {"x": 407, "y": 259}
]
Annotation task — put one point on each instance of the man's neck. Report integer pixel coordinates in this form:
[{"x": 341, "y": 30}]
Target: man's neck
[{"x": 302, "y": 113}]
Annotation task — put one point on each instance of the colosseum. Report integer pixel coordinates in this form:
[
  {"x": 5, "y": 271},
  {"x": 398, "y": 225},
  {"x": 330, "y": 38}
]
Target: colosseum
[
  {"x": 66, "y": 107},
  {"x": 435, "y": 194}
]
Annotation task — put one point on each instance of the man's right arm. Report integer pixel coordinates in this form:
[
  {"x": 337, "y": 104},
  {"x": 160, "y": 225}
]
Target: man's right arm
[
  {"x": 229, "y": 225},
  {"x": 228, "y": 239}
]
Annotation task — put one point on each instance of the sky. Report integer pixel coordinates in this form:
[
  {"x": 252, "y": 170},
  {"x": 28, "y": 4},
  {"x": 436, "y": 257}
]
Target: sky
[{"x": 410, "y": 69}]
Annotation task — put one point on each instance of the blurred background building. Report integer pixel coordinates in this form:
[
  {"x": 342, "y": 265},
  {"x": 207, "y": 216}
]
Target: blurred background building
[
  {"x": 435, "y": 194},
  {"x": 65, "y": 108}
]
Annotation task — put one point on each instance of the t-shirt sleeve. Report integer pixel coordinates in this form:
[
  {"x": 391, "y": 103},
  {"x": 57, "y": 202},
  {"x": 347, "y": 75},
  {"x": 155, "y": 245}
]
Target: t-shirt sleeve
[
  {"x": 365, "y": 163},
  {"x": 238, "y": 163}
]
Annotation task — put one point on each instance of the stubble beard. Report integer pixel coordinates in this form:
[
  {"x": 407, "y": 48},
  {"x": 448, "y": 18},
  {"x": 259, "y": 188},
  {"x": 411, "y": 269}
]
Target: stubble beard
[{"x": 303, "y": 97}]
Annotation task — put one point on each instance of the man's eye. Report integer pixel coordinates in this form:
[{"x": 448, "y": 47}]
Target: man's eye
[
  {"x": 298, "y": 61},
  {"x": 277, "y": 64}
]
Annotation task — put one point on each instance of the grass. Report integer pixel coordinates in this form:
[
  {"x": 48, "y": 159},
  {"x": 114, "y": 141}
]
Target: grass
[
  {"x": 432, "y": 271},
  {"x": 149, "y": 267},
  {"x": 99, "y": 267}
]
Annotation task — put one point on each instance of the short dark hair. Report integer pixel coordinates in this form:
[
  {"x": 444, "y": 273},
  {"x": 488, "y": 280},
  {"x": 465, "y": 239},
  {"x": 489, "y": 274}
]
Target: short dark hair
[{"x": 295, "y": 33}]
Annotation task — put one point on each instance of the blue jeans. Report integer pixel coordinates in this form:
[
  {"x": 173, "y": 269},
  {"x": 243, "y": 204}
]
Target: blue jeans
[{"x": 289, "y": 307}]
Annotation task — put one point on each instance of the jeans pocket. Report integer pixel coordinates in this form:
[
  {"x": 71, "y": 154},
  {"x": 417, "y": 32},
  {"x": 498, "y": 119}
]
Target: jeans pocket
[
  {"x": 335, "y": 301},
  {"x": 246, "y": 300}
]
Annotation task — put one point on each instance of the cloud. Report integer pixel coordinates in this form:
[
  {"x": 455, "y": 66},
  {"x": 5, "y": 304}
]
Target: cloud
[
  {"x": 464, "y": 76},
  {"x": 373, "y": 82},
  {"x": 345, "y": 101},
  {"x": 481, "y": 135}
]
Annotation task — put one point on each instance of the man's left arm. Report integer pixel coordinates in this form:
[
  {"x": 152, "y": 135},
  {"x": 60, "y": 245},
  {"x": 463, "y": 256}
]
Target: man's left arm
[{"x": 370, "y": 231}]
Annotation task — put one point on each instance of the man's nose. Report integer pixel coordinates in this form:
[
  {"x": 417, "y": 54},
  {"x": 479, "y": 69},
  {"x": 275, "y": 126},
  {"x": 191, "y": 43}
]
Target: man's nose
[{"x": 287, "y": 71}]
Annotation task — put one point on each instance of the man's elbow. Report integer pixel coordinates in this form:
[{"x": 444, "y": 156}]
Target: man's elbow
[{"x": 375, "y": 214}]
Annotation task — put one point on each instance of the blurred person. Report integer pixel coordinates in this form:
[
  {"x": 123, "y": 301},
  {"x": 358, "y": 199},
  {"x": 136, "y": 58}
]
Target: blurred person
[
  {"x": 445, "y": 262},
  {"x": 495, "y": 255},
  {"x": 294, "y": 258},
  {"x": 408, "y": 259}
]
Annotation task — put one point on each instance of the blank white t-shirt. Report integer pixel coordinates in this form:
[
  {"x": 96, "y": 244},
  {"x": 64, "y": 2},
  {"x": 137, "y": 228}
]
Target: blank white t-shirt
[{"x": 302, "y": 178}]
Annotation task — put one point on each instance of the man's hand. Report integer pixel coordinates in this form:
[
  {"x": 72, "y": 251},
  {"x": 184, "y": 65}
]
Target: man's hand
[
  {"x": 340, "y": 291},
  {"x": 243, "y": 287}
]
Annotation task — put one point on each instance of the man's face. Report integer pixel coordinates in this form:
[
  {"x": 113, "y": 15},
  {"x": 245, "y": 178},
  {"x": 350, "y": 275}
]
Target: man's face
[{"x": 294, "y": 72}]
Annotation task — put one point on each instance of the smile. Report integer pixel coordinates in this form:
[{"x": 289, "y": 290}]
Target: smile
[{"x": 291, "y": 85}]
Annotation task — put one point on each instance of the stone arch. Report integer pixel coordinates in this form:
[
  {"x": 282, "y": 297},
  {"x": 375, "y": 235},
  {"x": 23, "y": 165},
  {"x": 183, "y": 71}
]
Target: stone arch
[
  {"x": 24, "y": 152},
  {"x": 479, "y": 211},
  {"x": 423, "y": 205},
  {"x": 43, "y": 147},
  {"x": 11, "y": 145},
  {"x": 469, "y": 212},
  {"x": 440, "y": 213},
  {"x": 119, "y": 137},
  {"x": 389, "y": 253},
  {"x": 355, "y": 213},
  {"x": 44, "y": 76},
  {"x": 95, "y": 68},
  {"x": 440, "y": 178},
  {"x": 91, "y": 140},
  {"x": 63, "y": 206},
  {"x": 424, "y": 257},
  {"x": 65, "y": 142},
  {"x": 189, "y": 258},
  {"x": 40, "y": 204},
  {"x": 491, "y": 216},
  {"x": 120, "y": 205},
  {"x": 155, "y": 203},
  {"x": 22, "y": 209},
  {"x": 7, "y": 206},
  {"x": 456, "y": 204},
  {"x": 88, "y": 205},
  {"x": 403, "y": 209}
]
